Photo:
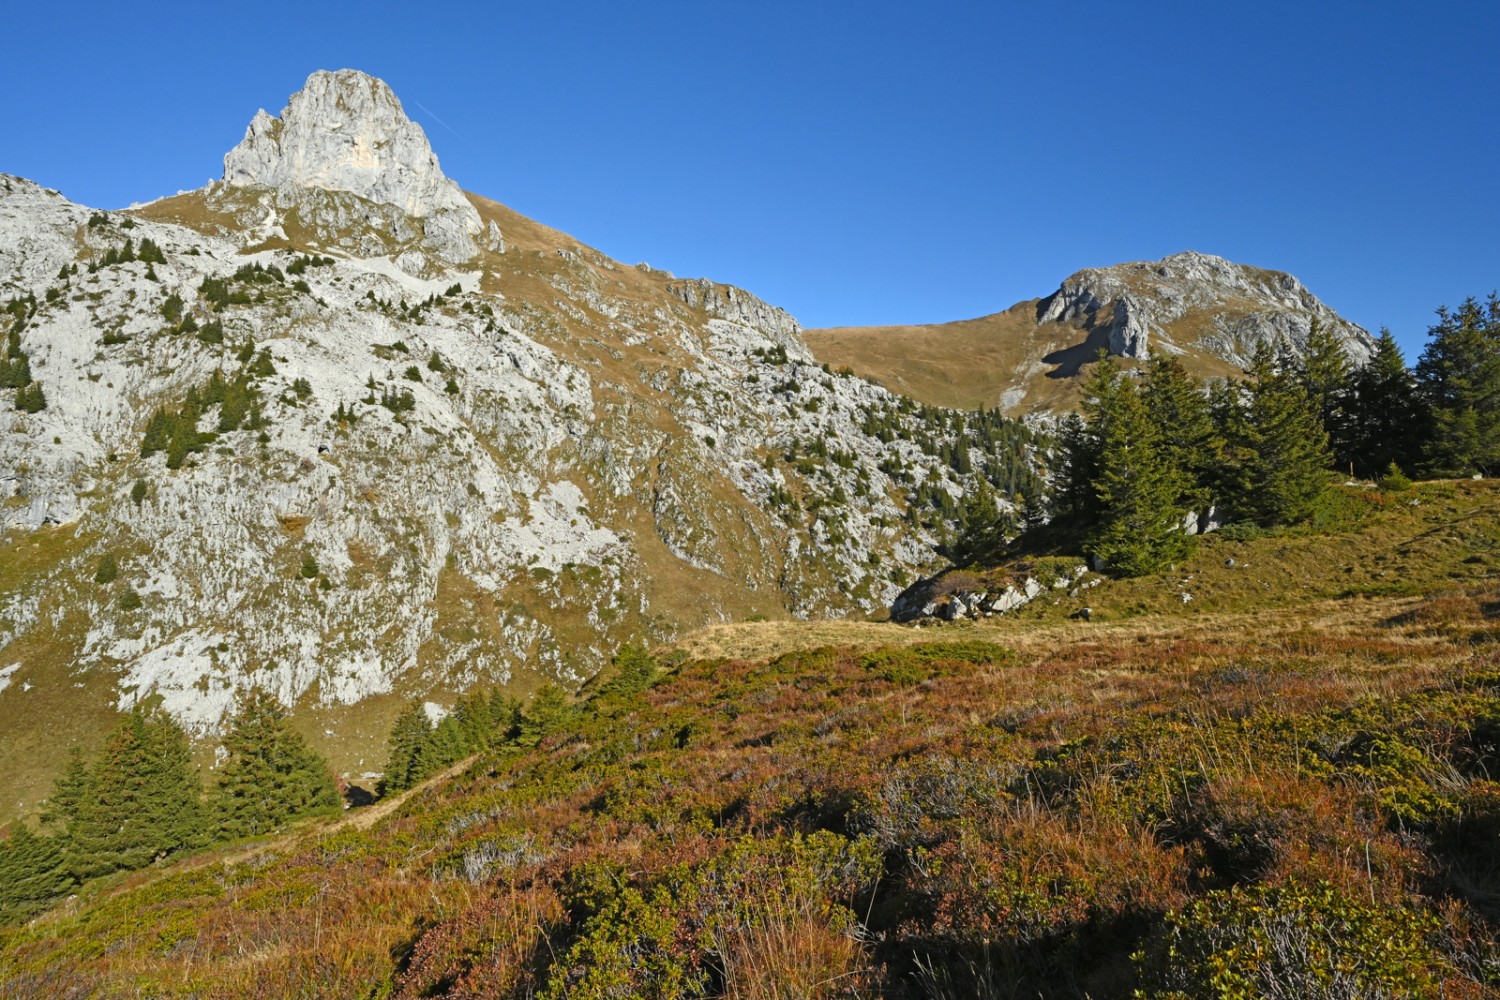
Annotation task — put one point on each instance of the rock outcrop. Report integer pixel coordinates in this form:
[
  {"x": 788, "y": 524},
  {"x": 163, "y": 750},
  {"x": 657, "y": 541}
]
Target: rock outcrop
[
  {"x": 344, "y": 149},
  {"x": 1195, "y": 300}
]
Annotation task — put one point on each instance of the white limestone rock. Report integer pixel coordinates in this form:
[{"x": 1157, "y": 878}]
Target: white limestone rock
[
  {"x": 1137, "y": 304},
  {"x": 346, "y": 132}
]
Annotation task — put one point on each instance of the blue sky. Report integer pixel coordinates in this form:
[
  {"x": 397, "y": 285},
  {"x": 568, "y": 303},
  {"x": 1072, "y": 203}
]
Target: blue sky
[{"x": 857, "y": 163}]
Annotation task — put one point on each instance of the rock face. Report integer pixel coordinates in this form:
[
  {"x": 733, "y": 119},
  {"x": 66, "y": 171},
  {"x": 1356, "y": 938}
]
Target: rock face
[
  {"x": 495, "y": 470},
  {"x": 1195, "y": 300},
  {"x": 345, "y": 133}
]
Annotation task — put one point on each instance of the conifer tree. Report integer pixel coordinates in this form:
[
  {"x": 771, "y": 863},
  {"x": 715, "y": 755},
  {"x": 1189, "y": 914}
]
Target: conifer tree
[
  {"x": 409, "y": 735},
  {"x": 32, "y": 874},
  {"x": 143, "y": 799},
  {"x": 1139, "y": 527},
  {"x": 270, "y": 775},
  {"x": 1325, "y": 372},
  {"x": 1286, "y": 453},
  {"x": 1388, "y": 416},
  {"x": 1459, "y": 375},
  {"x": 548, "y": 712},
  {"x": 1179, "y": 407}
]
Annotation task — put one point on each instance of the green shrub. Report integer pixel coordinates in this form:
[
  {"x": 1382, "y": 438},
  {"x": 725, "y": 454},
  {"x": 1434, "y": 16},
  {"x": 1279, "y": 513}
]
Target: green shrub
[
  {"x": 1394, "y": 480},
  {"x": 1291, "y": 941},
  {"x": 108, "y": 570}
]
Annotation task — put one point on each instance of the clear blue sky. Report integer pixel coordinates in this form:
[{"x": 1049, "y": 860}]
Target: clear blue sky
[{"x": 857, "y": 163}]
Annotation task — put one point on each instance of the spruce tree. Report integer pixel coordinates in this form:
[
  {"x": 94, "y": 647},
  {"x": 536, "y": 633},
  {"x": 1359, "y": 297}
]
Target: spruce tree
[
  {"x": 1325, "y": 372},
  {"x": 32, "y": 874},
  {"x": 1139, "y": 526},
  {"x": 1179, "y": 407},
  {"x": 1388, "y": 416},
  {"x": 548, "y": 712},
  {"x": 1287, "y": 456},
  {"x": 409, "y": 735},
  {"x": 1459, "y": 375},
  {"x": 142, "y": 803},
  {"x": 270, "y": 776}
]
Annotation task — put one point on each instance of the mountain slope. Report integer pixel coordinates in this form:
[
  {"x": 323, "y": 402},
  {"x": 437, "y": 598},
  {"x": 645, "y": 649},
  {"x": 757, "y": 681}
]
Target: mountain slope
[
  {"x": 993, "y": 808},
  {"x": 383, "y": 474},
  {"x": 1207, "y": 311}
]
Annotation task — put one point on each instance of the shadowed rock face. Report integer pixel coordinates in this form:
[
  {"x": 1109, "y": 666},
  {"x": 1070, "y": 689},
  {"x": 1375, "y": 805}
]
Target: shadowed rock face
[
  {"x": 345, "y": 132},
  {"x": 1143, "y": 306}
]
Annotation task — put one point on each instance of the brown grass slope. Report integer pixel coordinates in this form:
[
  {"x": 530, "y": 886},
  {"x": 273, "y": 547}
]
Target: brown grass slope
[
  {"x": 1290, "y": 789},
  {"x": 1006, "y": 360}
]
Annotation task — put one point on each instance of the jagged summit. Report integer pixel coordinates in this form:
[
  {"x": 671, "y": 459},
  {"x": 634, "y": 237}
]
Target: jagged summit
[
  {"x": 346, "y": 131},
  {"x": 345, "y": 134},
  {"x": 1196, "y": 300}
]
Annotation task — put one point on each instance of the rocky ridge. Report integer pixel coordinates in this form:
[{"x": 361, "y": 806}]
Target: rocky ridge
[{"x": 1141, "y": 306}]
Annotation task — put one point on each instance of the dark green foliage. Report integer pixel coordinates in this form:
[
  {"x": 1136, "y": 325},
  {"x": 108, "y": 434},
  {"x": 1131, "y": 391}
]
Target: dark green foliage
[
  {"x": 1388, "y": 417},
  {"x": 1134, "y": 490},
  {"x": 108, "y": 569},
  {"x": 1180, "y": 409},
  {"x": 150, "y": 252},
  {"x": 309, "y": 569},
  {"x": 1327, "y": 377},
  {"x": 138, "y": 802},
  {"x": 418, "y": 749},
  {"x": 1286, "y": 447},
  {"x": 409, "y": 734},
  {"x": 435, "y": 363},
  {"x": 31, "y": 399},
  {"x": 548, "y": 712},
  {"x": 138, "y": 492},
  {"x": 1394, "y": 480},
  {"x": 129, "y": 600},
  {"x": 269, "y": 776},
  {"x": 1459, "y": 379},
  {"x": 398, "y": 402},
  {"x": 171, "y": 308},
  {"x": 33, "y": 873},
  {"x": 412, "y": 374},
  {"x": 302, "y": 286},
  {"x": 633, "y": 670},
  {"x": 984, "y": 529},
  {"x": 302, "y": 389}
]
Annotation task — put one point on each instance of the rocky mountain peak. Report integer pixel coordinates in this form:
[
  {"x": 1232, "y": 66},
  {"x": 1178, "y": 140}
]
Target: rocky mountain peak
[
  {"x": 1196, "y": 301},
  {"x": 346, "y": 133}
]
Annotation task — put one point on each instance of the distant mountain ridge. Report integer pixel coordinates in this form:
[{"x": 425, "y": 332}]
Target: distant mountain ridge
[{"x": 1208, "y": 311}]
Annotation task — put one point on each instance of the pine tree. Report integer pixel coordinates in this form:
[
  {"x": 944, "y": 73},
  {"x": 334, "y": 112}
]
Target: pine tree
[
  {"x": 1459, "y": 376},
  {"x": 270, "y": 776},
  {"x": 1139, "y": 527},
  {"x": 1388, "y": 415},
  {"x": 1286, "y": 448},
  {"x": 32, "y": 874}
]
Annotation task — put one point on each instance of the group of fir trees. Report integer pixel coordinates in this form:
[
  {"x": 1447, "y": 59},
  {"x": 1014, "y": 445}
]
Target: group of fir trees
[
  {"x": 141, "y": 799},
  {"x": 483, "y": 720},
  {"x": 15, "y": 363},
  {"x": 1146, "y": 454}
]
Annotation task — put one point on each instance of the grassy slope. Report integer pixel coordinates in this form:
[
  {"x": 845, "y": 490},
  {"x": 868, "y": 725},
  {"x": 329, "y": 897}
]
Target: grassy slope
[
  {"x": 1006, "y": 359},
  {"x": 995, "y": 817}
]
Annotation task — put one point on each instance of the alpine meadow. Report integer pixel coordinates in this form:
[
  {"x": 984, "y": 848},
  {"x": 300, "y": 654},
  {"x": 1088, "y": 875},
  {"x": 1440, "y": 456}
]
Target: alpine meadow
[{"x": 401, "y": 598}]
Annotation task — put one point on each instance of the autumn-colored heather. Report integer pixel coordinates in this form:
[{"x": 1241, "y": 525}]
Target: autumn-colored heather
[{"x": 1169, "y": 809}]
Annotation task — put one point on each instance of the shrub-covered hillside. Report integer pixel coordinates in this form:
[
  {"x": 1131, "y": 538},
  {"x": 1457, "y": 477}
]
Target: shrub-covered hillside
[{"x": 1292, "y": 799}]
